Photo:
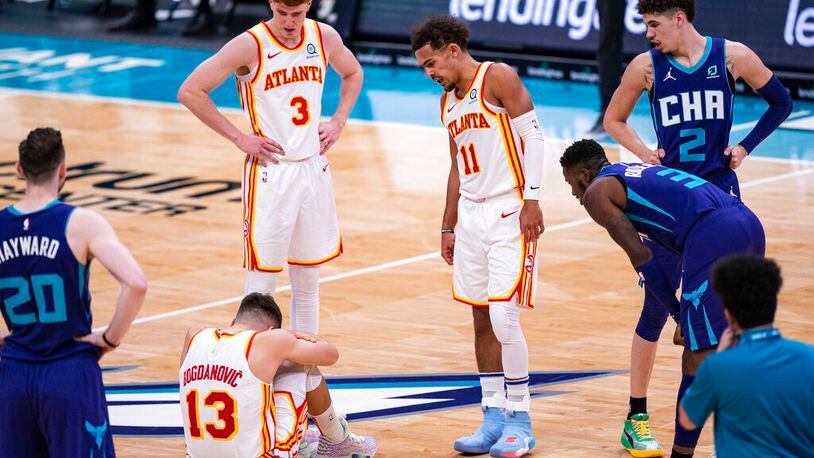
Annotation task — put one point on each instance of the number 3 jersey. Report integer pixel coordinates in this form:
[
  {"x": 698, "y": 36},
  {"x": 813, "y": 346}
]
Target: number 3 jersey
[
  {"x": 692, "y": 111},
  {"x": 282, "y": 96},
  {"x": 43, "y": 287},
  {"x": 489, "y": 150},
  {"x": 226, "y": 410}
]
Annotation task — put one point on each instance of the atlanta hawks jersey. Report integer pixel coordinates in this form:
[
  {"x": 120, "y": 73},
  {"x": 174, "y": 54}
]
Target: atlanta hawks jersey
[
  {"x": 227, "y": 411},
  {"x": 282, "y": 96},
  {"x": 489, "y": 149}
]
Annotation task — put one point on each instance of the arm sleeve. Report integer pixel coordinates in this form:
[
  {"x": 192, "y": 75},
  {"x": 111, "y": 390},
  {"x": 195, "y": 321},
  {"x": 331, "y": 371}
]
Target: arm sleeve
[
  {"x": 533, "y": 149},
  {"x": 779, "y": 100},
  {"x": 701, "y": 398}
]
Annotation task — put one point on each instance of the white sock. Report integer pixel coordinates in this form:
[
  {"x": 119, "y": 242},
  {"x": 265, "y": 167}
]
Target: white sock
[
  {"x": 493, "y": 392},
  {"x": 261, "y": 282},
  {"x": 304, "y": 298},
  {"x": 505, "y": 317},
  {"x": 330, "y": 425}
]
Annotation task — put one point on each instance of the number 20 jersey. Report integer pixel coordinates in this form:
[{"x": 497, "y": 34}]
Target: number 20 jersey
[{"x": 282, "y": 96}]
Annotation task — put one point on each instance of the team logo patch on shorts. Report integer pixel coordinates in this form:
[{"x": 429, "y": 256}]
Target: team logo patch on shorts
[
  {"x": 245, "y": 228},
  {"x": 529, "y": 263}
]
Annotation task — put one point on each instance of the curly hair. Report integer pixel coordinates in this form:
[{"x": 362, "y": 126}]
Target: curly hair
[
  {"x": 667, "y": 7},
  {"x": 41, "y": 153},
  {"x": 748, "y": 287},
  {"x": 583, "y": 153},
  {"x": 439, "y": 31}
]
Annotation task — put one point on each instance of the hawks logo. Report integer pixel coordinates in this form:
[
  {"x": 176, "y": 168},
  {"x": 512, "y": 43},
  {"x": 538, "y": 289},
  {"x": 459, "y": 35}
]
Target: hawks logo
[
  {"x": 245, "y": 228},
  {"x": 529, "y": 263},
  {"x": 150, "y": 409}
]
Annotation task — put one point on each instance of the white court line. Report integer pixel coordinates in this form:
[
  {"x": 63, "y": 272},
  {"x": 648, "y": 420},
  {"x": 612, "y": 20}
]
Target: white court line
[
  {"x": 419, "y": 258},
  {"x": 390, "y": 124}
]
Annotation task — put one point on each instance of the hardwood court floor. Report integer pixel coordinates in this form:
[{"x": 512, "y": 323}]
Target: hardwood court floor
[{"x": 389, "y": 181}]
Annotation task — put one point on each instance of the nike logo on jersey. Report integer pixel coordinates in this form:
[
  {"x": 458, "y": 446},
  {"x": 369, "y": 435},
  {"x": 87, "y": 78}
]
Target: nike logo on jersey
[
  {"x": 450, "y": 108},
  {"x": 506, "y": 215},
  {"x": 325, "y": 168},
  {"x": 534, "y": 188},
  {"x": 272, "y": 56}
]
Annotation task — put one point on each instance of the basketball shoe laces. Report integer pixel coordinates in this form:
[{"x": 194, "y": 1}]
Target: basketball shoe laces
[{"x": 642, "y": 428}]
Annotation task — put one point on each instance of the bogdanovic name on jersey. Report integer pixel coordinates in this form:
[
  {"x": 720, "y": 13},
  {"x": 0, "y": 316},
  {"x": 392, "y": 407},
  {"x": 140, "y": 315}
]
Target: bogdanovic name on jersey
[
  {"x": 215, "y": 372},
  {"x": 466, "y": 122},
  {"x": 293, "y": 75}
]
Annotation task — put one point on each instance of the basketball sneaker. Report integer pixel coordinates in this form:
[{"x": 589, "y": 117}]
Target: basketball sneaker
[
  {"x": 638, "y": 439},
  {"x": 484, "y": 437},
  {"x": 352, "y": 446},
  {"x": 309, "y": 443},
  {"x": 517, "y": 439}
]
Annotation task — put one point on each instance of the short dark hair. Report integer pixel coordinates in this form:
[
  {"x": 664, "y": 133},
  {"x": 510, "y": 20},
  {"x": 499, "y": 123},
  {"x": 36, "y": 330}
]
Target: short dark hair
[
  {"x": 748, "y": 287},
  {"x": 439, "y": 31},
  {"x": 41, "y": 153},
  {"x": 583, "y": 153},
  {"x": 667, "y": 7},
  {"x": 260, "y": 307}
]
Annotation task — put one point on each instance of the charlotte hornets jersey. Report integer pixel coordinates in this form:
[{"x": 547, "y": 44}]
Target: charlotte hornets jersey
[
  {"x": 43, "y": 287},
  {"x": 663, "y": 203},
  {"x": 692, "y": 110}
]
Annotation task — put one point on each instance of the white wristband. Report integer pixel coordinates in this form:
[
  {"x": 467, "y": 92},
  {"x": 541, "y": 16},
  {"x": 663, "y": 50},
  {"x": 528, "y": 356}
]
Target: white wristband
[{"x": 533, "y": 148}]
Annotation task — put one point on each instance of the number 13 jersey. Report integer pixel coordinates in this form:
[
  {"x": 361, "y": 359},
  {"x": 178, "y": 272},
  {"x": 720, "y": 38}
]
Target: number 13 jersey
[
  {"x": 489, "y": 150},
  {"x": 282, "y": 96}
]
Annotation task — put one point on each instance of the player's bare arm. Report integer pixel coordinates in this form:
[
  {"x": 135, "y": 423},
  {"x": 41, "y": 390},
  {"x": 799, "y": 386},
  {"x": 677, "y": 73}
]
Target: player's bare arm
[
  {"x": 504, "y": 86},
  {"x": 188, "y": 339},
  {"x": 638, "y": 77},
  {"x": 90, "y": 236},
  {"x": 451, "y": 208},
  {"x": 345, "y": 64},
  {"x": 237, "y": 56},
  {"x": 604, "y": 201},
  {"x": 270, "y": 348},
  {"x": 744, "y": 64},
  {"x": 684, "y": 419}
]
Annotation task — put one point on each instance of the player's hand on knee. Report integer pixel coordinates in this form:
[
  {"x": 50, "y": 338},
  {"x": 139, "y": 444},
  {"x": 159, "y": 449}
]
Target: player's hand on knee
[
  {"x": 655, "y": 156},
  {"x": 531, "y": 220},
  {"x": 737, "y": 153},
  {"x": 328, "y": 134},
  {"x": 97, "y": 339},
  {"x": 678, "y": 338},
  {"x": 447, "y": 246},
  {"x": 262, "y": 148}
]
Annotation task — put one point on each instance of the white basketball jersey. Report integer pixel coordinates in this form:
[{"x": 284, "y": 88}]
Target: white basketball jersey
[
  {"x": 282, "y": 96},
  {"x": 227, "y": 411},
  {"x": 489, "y": 150}
]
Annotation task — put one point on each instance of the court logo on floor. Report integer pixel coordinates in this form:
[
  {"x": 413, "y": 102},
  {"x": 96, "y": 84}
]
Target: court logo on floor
[{"x": 151, "y": 409}]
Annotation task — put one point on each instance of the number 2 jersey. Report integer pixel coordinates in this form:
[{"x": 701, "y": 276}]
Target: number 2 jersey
[
  {"x": 692, "y": 111},
  {"x": 43, "y": 287},
  {"x": 282, "y": 96}
]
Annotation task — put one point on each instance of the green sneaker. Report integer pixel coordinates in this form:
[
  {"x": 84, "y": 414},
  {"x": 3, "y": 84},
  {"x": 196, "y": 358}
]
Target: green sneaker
[{"x": 637, "y": 438}]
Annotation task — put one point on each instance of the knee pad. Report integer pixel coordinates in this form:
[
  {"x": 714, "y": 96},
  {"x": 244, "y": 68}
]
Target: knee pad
[
  {"x": 652, "y": 319},
  {"x": 261, "y": 282},
  {"x": 505, "y": 320},
  {"x": 313, "y": 377}
]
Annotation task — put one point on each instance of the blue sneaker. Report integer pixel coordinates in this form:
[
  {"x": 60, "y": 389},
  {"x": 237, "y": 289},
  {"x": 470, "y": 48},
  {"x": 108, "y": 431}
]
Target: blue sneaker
[
  {"x": 484, "y": 437},
  {"x": 517, "y": 439}
]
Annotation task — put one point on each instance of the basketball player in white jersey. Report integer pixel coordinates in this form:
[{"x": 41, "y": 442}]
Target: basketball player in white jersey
[
  {"x": 496, "y": 146},
  {"x": 289, "y": 209},
  {"x": 230, "y": 378}
]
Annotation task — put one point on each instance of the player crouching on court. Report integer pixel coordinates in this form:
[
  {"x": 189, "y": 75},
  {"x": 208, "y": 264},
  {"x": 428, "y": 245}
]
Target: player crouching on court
[{"x": 242, "y": 389}]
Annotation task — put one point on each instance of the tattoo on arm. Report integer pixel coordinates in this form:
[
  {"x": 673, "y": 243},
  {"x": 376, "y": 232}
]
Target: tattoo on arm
[{"x": 648, "y": 76}]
